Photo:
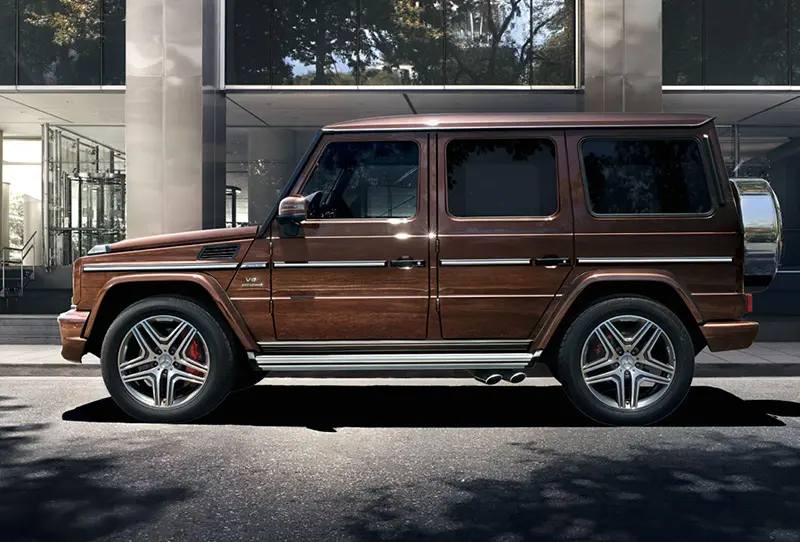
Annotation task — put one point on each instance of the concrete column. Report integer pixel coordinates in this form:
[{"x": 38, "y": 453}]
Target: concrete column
[
  {"x": 165, "y": 128},
  {"x": 32, "y": 222},
  {"x": 622, "y": 55},
  {"x": 271, "y": 159}
]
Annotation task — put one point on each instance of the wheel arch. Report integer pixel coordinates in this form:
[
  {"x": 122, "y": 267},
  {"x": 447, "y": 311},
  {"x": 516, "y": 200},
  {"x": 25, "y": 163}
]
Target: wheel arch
[
  {"x": 591, "y": 287},
  {"x": 120, "y": 292}
]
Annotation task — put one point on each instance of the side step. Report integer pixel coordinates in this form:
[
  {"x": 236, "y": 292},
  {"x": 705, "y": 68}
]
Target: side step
[{"x": 406, "y": 361}]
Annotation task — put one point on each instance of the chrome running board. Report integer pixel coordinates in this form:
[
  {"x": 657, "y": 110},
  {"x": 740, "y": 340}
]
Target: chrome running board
[{"x": 407, "y": 361}]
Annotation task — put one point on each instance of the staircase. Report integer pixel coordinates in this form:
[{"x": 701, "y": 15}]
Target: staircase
[{"x": 29, "y": 329}]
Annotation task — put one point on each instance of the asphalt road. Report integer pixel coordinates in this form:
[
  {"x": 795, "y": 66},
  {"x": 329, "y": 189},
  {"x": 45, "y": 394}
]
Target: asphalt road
[{"x": 399, "y": 460}]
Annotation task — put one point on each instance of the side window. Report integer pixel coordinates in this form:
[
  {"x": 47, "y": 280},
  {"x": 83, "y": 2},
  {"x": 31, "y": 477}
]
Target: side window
[
  {"x": 645, "y": 176},
  {"x": 364, "y": 179},
  {"x": 501, "y": 177}
]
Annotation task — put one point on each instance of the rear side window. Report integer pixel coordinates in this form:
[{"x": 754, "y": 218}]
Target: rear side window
[
  {"x": 645, "y": 176},
  {"x": 501, "y": 177}
]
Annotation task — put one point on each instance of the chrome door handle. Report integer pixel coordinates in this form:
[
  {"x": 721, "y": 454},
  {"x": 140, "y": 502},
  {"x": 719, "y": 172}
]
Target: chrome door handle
[
  {"x": 552, "y": 261},
  {"x": 407, "y": 263}
]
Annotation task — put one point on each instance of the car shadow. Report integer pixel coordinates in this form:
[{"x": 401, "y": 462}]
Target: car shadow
[{"x": 325, "y": 408}]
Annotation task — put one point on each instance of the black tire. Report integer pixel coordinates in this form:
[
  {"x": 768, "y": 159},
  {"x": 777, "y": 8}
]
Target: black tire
[
  {"x": 221, "y": 372},
  {"x": 579, "y": 392}
]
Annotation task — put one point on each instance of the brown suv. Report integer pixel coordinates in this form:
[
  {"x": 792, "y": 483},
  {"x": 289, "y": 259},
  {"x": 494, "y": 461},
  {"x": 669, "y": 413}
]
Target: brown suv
[{"x": 611, "y": 248}]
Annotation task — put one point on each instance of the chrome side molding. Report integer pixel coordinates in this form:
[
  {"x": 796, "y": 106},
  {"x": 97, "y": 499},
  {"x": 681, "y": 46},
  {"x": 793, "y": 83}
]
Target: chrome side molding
[
  {"x": 331, "y": 263},
  {"x": 484, "y": 261},
  {"x": 198, "y": 266},
  {"x": 409, "y": 347},
  {"x": 657, "y": 260}
]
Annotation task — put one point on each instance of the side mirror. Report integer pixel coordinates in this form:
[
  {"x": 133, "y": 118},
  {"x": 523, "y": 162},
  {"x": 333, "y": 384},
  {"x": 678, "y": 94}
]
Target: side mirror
[{"x": 291, "y": 212}]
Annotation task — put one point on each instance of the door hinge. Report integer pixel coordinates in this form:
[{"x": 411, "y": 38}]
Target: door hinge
[
  {"x": 270, "y": 249},
  {"x": 271, "y": 306},
  {"x": 436, "y": 245},
  {"x": 437, "y": 305}
]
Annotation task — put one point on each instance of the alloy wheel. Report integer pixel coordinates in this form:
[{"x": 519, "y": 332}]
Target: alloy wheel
[
  {"x": 163, "y": 361},
  {"x": 628, "y": 362}
]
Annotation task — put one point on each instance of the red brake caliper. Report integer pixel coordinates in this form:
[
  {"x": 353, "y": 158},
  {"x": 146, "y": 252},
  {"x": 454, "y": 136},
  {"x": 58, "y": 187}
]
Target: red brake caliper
[{"x": 196, "y": 353}]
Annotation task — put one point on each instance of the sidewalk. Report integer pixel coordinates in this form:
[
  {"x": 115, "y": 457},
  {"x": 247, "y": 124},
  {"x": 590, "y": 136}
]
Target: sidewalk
[{"x": 763, "y": 359}]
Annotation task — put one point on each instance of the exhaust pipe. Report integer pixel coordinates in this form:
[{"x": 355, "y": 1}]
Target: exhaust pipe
[
  {"x": 514, "y": 378},
  {"x": 486, "y": 377}
]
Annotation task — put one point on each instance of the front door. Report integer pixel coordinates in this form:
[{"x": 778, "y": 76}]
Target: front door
[
  {"x": 358, "y": 270},
  {"x": 505, "y": 231}
]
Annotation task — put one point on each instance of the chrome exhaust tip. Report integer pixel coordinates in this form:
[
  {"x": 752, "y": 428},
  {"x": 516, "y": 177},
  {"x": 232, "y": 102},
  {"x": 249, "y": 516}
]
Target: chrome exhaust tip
[
  {"x": 485, "y": 377},
  {"x": 516, "y": 378}
]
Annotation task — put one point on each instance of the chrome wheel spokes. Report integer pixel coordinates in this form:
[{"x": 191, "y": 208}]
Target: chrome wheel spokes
[
  {"x": 163, "y": 361},
  {"x": 628, "y": 362}
]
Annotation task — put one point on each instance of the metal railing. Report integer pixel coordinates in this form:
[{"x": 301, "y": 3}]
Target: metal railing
[{"x": 7, "y": 262}]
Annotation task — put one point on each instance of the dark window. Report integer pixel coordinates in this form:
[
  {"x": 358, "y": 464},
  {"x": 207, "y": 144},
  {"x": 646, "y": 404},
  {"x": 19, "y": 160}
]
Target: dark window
[
  {"x": 59, "y": 43},
  {"x": 488, "y": 43},
  {"x": 401, "y": 43},
  {"x": 747, "y": 42},
  {"x": 683, "y": 42},
  {"x": 8, "y": 40},
  {"x": 113, "y": 42},
  {"x": 248, "y": 47},
  {"x": 553, "y": 42},
  {"x": 358, "y": 179},
  {"x": 314, "y": 42},
  {"x": 501, "y": 177},
  {"x": 657, "y": 176}
]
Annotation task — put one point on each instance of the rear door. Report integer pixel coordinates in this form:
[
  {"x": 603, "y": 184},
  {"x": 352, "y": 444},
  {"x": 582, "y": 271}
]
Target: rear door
[{"x": 504, "y": 230}]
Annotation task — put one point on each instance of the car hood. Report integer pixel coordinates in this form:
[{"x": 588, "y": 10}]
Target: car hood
[{"x": 184, "y": 238}]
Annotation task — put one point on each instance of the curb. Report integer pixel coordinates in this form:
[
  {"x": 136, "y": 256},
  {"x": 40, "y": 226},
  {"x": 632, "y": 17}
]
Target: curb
[{"x": 703, "y": 370}]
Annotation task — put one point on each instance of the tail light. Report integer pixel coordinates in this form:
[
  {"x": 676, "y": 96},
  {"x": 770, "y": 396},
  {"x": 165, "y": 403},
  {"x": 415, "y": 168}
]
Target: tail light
[{"x": 749, "y": 303}]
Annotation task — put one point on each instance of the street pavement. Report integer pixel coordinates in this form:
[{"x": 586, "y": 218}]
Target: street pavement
[{"x": 444, "y": 459}]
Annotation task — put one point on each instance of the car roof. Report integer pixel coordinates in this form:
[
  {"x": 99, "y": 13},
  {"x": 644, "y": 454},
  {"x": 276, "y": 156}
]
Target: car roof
[{"x": 465, "y": 121}]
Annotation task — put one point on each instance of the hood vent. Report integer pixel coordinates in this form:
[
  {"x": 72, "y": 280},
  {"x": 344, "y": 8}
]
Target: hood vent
[{"x": 218, "y": 252}]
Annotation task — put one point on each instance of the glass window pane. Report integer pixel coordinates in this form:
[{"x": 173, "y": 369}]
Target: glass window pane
[
  {"x": 501, "y": 177},
  {"x": 113, "y": 42},
  {"x": 314, "y": 42},
  {"x": 22, "y": 151},
  {"x": 488, "y": 43},
  {"x": 59, "y": 43},
  {"x": 553, "y": 42},
  {"x": 656, "y": 176},
  {"x": 247, "y": 36},
  {"x": 747, "y": 42},
  {"x": 364, "y": 180},
  {"x": 8, "y": 40},
  {"x": 402, "y": 42},
  {"x": 683, "y": 42}
]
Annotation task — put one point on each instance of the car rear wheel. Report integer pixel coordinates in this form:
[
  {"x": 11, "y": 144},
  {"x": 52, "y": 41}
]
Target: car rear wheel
[
  {"x": 167, "y": 359},
  {"x": 626, "y": 361}
]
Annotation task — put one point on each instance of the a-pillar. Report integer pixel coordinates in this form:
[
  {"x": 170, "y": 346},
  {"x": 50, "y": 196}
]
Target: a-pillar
[
  {"x": 174, "y": 117},
  {"x": 271, "y": 157},
  {"x": 622, "y": 56}
]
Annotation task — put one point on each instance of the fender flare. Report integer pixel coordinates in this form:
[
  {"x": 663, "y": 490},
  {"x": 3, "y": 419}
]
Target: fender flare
[
  {"x": 547, "y": 328},
  {"x": 207, "y": 282}
]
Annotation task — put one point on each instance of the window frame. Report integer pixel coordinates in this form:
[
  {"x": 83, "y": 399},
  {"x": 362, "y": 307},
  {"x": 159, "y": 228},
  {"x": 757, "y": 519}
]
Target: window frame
[
  {"x": 485, "y": 136},
  {"x": 314, "y": 163},
  {"x": 707, "y": 171}
]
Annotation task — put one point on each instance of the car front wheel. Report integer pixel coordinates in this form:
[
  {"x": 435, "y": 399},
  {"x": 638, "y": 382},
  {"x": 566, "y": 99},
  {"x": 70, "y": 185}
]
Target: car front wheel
[
  {"x": 167, "y": 359},
  {"x": 626, "y": 361}
]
